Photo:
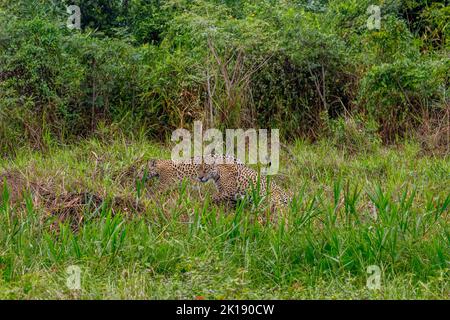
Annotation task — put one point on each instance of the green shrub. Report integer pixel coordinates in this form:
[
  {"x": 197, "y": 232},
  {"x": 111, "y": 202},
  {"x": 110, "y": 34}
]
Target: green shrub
[
  {"x": 151, "y": 66},
  {"x": 38, "y": 79},
  {"x": 396, "y": 94}
]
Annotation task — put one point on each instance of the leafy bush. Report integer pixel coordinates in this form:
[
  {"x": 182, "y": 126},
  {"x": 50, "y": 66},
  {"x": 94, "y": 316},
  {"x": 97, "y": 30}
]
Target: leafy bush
[
  {"x": 154, "y": 66},
  {"x": 396, "y": 94},
  {"x": 39, "y": 78}
]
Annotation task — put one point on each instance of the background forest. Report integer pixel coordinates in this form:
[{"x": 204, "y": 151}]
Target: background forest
[
  {"x": 310, "y": 68},
  {"x": 363, "y": 113}
]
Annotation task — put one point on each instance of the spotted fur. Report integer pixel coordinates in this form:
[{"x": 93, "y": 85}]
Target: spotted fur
[
  {"x": 172, "y": 172},
  {"x": 234, "y": 181}
]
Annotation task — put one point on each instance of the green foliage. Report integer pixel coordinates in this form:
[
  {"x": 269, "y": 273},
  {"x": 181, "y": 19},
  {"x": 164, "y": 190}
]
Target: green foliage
[
  {"x": 103, "y": 15},
  {"x": 152, "y": 66},
  {"x": 148, "y": 20},
  {"x": 389, "y": 208},
  {"x": 429, "y": 19},
  {"x": 394, "y": 94},
  {"x": 39, "y": 79}
]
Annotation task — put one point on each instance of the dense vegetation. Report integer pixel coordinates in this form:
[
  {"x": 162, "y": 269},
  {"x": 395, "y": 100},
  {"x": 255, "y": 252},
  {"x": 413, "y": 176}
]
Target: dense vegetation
[
  {"x": 152, "y": 66},
  {"x": 364, "y": 114},
  {"x": 388, "y": 208}
]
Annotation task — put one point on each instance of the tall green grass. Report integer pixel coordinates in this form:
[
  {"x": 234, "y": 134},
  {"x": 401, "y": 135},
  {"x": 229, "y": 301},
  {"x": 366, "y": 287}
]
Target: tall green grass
[{"x": 387, "y": 208}]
